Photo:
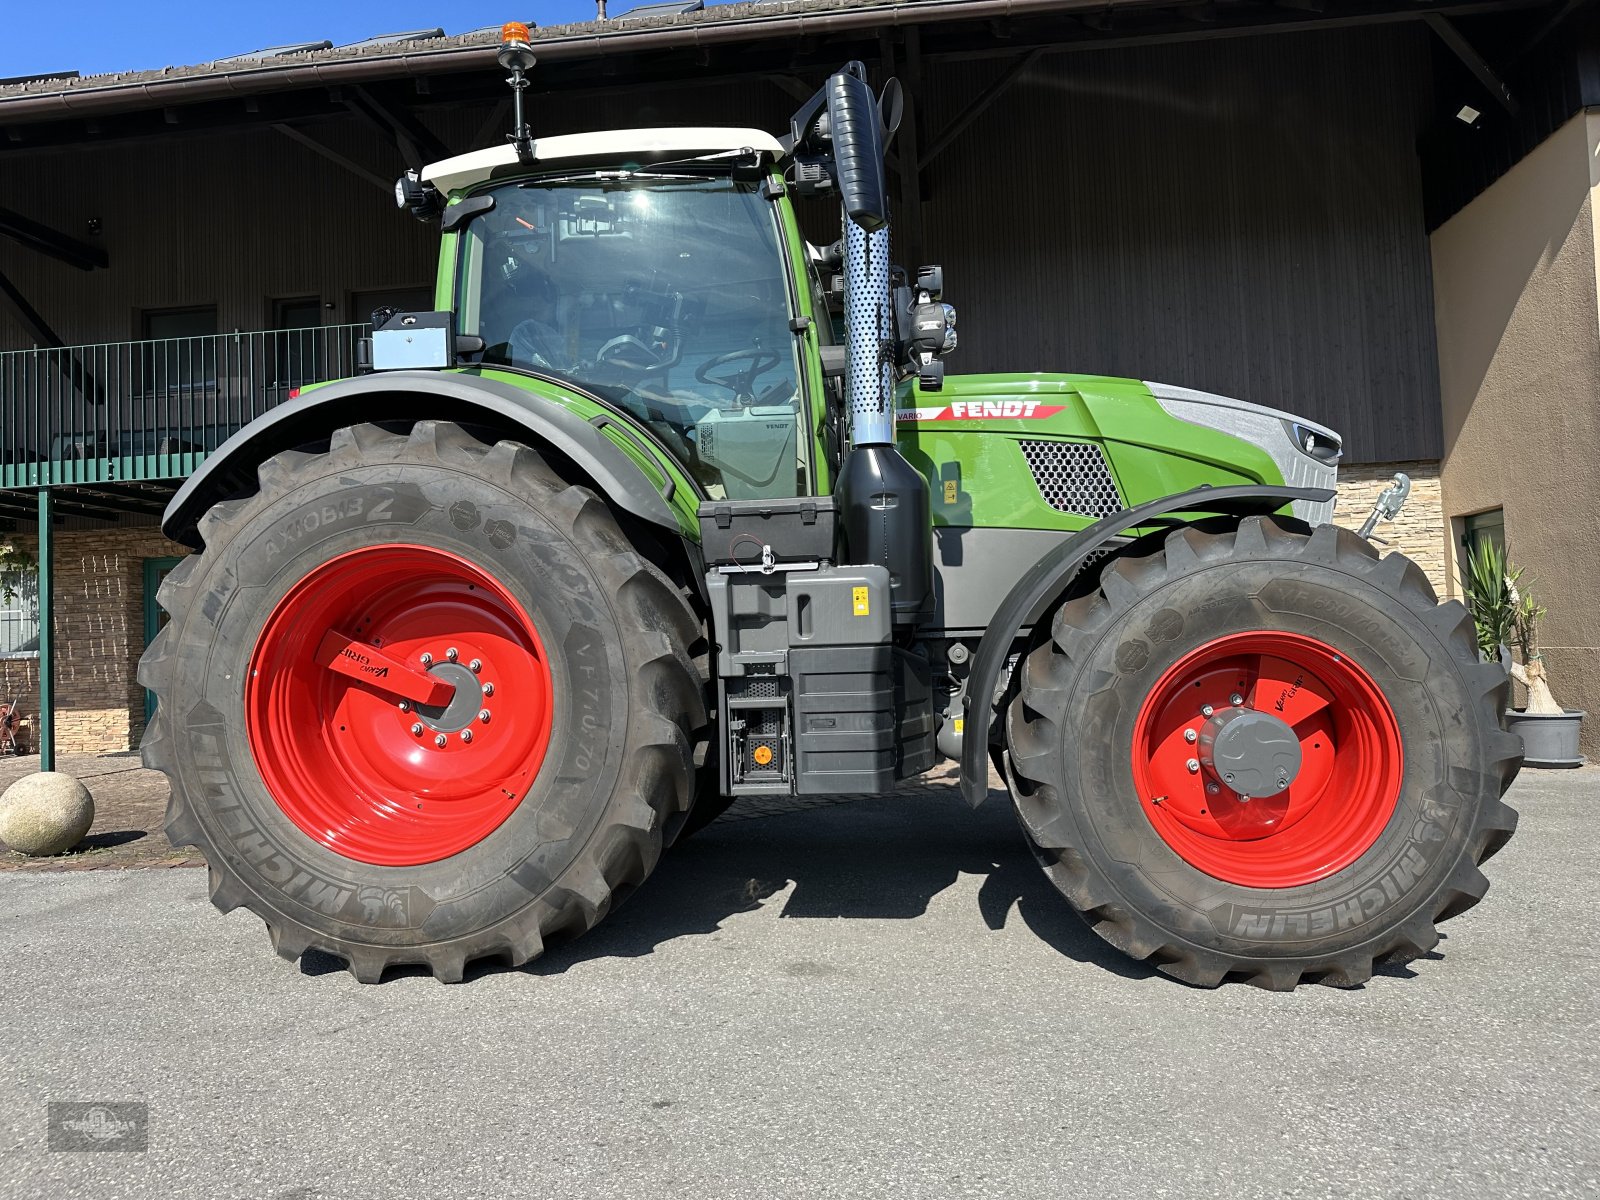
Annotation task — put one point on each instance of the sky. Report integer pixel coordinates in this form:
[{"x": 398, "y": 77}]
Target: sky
[{"x": 97, "y": 36}]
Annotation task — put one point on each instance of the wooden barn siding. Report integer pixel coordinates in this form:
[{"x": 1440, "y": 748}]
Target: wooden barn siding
[
  {"x": 234, "y": 220},
  {"x": 1241, "y": 216}
]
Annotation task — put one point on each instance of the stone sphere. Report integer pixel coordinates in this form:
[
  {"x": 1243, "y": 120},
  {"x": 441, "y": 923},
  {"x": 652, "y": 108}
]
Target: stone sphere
[{"x": 45, "y": 813}]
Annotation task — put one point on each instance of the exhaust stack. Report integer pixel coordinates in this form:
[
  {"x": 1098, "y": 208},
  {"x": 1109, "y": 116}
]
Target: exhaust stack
[
  {"x": 882, "y": 499},
  {"x": 838, "y": 139}
]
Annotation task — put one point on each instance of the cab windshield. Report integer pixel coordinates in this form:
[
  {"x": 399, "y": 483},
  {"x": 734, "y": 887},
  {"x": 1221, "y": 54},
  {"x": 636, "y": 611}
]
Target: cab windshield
[{"x": 665, "y": 295}]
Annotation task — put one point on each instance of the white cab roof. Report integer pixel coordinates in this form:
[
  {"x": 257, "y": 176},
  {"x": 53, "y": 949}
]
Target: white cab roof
[{"x": 620, "y": 145}]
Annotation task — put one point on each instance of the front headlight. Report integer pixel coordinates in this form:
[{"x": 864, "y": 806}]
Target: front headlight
[{"x": 1320, "y": 444}]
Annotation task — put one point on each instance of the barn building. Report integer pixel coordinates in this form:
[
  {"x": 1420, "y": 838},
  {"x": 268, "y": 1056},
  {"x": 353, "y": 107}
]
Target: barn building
[{"x": 1379, "y": 214}]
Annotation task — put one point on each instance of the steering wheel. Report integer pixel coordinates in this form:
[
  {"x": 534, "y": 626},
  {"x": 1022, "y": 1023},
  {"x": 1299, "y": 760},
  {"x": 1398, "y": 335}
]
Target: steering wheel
[
  {"x": 740, "y": 383},
  {"x": 632, "y": 354}
]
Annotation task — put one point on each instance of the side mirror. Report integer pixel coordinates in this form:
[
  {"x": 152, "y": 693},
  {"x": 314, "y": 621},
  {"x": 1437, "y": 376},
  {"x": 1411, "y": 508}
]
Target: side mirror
[{"x": 855, "y": 127}]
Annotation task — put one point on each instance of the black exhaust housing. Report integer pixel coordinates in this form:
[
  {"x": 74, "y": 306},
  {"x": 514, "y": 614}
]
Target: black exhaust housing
[{"x": 884, "y": 518}]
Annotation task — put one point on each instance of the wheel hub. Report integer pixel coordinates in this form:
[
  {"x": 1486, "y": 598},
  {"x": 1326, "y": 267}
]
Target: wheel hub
[
  {"x": 462, "y": 710},
  {"x": 338, "y": 713},
  {"x": 1254, "y": 753},
  {"x": 1267, "y": 759}
]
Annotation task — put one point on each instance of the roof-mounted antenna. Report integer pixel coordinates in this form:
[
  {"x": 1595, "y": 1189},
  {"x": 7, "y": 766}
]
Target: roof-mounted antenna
[{"x": 516, "y": 56}]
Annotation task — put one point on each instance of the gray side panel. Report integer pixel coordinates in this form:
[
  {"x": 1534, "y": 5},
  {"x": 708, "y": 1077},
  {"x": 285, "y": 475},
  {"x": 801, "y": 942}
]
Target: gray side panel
[{"x": 975, "y": 569}]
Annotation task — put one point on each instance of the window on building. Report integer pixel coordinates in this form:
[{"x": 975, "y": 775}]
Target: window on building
[
  {"x": 182, "y": 352},
  {"x": 1482, "y": 527},
  {"x": 297, "y": 341},
  {"x": 19, "y": 615}
]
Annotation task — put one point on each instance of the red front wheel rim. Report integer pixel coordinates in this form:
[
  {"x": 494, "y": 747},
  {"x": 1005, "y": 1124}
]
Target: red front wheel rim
[
  {"x": 1335, "y": 807},
  {"x": 359, "y": 768}
]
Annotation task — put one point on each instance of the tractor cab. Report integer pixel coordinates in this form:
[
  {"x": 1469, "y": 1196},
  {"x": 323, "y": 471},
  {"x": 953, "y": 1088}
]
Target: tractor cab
[{"x": 649, "y": 269}]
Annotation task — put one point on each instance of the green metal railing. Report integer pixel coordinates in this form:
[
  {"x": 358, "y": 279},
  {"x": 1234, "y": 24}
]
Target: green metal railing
[{"x": 151, "y": 409}]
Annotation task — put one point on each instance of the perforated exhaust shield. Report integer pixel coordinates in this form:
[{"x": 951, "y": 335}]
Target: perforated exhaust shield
[{"x": 867, "y": 320}]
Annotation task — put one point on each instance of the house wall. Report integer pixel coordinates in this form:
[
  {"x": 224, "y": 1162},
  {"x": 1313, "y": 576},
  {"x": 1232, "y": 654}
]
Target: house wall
[
  {"x": 1515, "y": 294},
  {"x": 1236, "y": 216},
  {"x": 99, "y": 625}
]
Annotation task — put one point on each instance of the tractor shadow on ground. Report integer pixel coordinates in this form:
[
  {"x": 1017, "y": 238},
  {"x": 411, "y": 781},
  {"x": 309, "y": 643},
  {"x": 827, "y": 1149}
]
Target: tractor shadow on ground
[{"x": 871, "y": 859}]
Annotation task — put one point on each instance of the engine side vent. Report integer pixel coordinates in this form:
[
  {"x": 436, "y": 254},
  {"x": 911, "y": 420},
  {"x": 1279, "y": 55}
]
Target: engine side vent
[{"x": 1073, "y": 477}]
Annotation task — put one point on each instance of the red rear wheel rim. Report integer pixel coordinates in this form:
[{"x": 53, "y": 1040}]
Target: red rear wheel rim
[
  {"x": 343, "y": 759},
  {"x": 1331, "y": 812}
]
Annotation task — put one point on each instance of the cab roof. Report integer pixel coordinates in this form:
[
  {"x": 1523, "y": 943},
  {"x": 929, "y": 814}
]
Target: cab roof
[{"x": 613, "y": 146}]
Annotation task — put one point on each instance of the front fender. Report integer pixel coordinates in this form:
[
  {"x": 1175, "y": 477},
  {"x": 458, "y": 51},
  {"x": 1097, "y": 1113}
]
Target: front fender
[
  {"x": 1049, "y": 577},
  {"x": 418, "y": 396}
]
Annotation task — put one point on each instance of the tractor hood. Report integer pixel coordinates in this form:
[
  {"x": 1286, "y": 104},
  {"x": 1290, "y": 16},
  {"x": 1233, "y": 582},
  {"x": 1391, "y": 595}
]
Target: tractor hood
[
  {"x": 1306, "y": 453},
  {"x": 1152, "y": 432}
]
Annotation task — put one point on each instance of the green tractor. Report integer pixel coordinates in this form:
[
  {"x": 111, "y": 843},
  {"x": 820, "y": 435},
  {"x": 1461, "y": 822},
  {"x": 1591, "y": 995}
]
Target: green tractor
[{"x": 630, "y": 527}]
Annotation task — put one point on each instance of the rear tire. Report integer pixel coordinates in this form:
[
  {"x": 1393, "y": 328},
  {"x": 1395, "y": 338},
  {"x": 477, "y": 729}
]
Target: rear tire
[
  {"x": 390, "y": 850},
  {"x": 1410, "y": 818}
]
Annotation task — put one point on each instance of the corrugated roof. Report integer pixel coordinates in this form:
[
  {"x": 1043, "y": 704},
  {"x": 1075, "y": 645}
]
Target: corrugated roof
[{"x": 718, "y": 14}]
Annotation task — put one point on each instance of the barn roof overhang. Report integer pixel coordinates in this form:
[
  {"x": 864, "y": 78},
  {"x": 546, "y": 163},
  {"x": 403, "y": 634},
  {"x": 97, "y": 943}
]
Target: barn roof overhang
[{"x": 777, "y": 38}]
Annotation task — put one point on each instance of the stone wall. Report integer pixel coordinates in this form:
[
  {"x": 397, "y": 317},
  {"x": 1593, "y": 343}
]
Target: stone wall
[
  {"x": 99, "y": 626},
  {"x": 1420, "y": 532}
]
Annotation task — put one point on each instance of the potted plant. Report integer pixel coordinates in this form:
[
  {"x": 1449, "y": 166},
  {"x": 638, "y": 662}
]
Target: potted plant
[{"x": 1505, "y": 612}]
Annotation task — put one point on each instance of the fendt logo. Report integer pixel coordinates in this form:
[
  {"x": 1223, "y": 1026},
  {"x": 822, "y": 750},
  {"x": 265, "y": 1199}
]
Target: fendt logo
[{"x": 983, "y": 410}]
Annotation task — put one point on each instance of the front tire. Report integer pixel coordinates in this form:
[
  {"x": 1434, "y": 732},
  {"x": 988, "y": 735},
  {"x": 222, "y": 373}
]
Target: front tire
[
  {"x": 1379, "y": 758},
  {"x": 386, "y": 832}
]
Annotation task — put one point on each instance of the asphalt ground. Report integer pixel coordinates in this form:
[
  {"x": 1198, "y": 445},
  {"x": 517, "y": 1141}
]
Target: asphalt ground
[{"x": 876, "y": 998}]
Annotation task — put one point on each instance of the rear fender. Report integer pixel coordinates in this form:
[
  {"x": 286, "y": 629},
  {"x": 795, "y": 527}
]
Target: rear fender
[
  {"x": 417, "y": 396},
  {"x": 1042, "y": 586}
]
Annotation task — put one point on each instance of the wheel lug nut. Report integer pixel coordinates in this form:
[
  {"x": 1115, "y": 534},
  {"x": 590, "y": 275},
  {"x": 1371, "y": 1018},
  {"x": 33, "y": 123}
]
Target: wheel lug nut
[
  {"x": 1193, "y": 765},
  {"x": 427, "y": 659},
  {"x": 416, "y": 730},
  {"x": 1212, "y": 789},
  {"x": 1189, "y": 735},
  {"x": 1236, "y": 700},
  {"x": 1206, "y": 710},
  {"x": 466, "y": 735},
  {"x": 451, "y": 654},
  {"x": 488, "y": 689},
  {"x": 483, "y": 715},
  {"x": 441, "y": 741},
  {"x": 405, "y": 706},
  {"x": 475, "y": 665}
]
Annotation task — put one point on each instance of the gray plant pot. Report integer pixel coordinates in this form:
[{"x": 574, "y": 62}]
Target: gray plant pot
[{"x": 1548, "y": 739}]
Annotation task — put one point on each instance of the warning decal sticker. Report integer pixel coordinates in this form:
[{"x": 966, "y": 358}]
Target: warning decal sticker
[{"x": 982, "y": 410}]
